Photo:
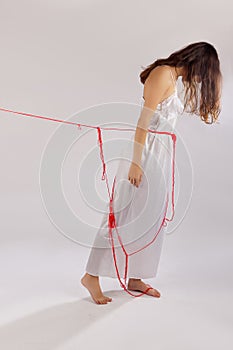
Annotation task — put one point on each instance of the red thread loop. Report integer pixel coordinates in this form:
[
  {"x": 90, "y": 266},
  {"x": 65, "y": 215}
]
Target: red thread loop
[{"x": 101, "y": 152}]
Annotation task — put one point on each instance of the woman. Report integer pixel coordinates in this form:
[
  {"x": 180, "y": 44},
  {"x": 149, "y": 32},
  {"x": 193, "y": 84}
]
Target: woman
[{"x": 199, "y": 67}]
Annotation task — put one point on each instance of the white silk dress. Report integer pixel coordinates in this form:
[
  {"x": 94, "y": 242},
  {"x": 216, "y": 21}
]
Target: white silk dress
[{"x": 139, "y": 211}]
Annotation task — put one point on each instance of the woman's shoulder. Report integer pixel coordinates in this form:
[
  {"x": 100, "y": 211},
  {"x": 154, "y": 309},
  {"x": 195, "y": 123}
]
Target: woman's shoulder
[
  {"x": 160, "y": 71},
  {"x": 159, "y": 74}
]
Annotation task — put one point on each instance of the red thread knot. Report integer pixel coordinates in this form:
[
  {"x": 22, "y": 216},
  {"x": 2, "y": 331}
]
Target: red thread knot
[{"x": 173, "y": 137}]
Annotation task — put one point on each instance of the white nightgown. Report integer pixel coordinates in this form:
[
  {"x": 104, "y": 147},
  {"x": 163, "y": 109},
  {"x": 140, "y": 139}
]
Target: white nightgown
[{"x": 139, "y": 211}]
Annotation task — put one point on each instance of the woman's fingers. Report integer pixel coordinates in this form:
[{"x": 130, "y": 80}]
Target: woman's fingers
[{"x": 135, "y": 181}]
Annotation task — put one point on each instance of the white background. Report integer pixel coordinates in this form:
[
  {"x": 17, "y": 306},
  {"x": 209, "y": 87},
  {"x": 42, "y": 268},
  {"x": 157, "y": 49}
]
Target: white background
[{"x": 57, "y": 58}]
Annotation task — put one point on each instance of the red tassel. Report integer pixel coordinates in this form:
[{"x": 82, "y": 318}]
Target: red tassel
[{"x": 111, "y": 220}]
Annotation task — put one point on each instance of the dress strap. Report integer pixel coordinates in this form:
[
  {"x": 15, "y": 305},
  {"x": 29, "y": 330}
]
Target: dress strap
[{"x": 174, "y": 81}]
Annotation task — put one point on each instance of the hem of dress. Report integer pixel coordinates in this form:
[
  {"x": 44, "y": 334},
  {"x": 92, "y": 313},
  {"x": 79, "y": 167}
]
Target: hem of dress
[{"x": 111, "y": 276}]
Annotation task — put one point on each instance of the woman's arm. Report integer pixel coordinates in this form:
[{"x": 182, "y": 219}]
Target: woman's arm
[{"x": 154, "y": 89}]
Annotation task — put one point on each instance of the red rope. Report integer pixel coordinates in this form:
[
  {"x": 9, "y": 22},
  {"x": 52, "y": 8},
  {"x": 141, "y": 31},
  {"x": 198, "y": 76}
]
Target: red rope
[{"x": 111, "y": 216}]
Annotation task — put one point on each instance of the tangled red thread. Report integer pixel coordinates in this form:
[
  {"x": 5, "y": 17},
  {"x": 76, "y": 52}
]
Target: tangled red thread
[{"x": 112, "y": 224}]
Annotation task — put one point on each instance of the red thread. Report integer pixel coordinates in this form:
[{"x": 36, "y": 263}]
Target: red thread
[
  {"x": 123, "y": 285},
  {"x": 111, "y": 218},
  {"x": 112, "y": 224},
  {"x": 101, "y": 152}
]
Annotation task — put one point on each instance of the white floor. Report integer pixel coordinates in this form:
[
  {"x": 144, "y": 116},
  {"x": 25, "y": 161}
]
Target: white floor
[{"x": 44, "y": 306}]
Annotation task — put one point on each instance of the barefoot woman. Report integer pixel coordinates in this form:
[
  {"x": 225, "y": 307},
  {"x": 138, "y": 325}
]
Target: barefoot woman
[{"x": 199, "y": 67}]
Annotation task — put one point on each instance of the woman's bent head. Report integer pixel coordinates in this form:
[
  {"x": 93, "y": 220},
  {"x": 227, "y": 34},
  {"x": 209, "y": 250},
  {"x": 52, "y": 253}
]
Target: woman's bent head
[{"x": 201, "y": 77}]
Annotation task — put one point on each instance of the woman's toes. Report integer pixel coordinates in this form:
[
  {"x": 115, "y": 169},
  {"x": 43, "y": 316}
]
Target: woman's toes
[
  {"x": 107, "y": 299},
  {"x": 155, "y": 293},
  {"x": 102, "y": 300}
]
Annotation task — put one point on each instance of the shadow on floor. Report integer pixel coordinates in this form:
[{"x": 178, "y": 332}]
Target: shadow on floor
[{"x": 51, "y": 327}]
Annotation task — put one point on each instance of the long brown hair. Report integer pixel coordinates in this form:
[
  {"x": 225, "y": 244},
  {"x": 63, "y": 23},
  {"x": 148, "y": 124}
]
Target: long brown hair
[{"x": 201, "y": 66}]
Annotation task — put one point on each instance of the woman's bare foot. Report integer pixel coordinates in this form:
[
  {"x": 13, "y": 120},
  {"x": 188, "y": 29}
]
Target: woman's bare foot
[
  {"x": 140, "y": 286},
  {"x": 93, "y": 286}
]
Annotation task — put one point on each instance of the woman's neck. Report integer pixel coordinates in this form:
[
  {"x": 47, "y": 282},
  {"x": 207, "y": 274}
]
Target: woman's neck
[{"x": 179, "y": 71}]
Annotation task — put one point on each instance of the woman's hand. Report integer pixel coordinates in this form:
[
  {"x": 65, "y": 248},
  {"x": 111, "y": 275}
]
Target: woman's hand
[{"x": 135, "y": 174}]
